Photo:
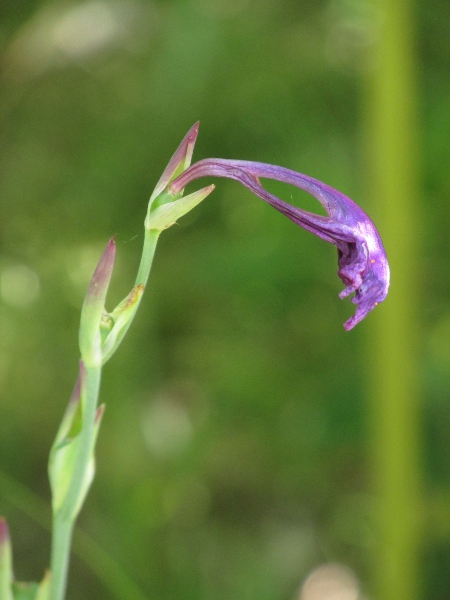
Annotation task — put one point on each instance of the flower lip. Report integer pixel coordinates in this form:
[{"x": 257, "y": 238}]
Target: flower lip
[{"x": 362, "y": 260}]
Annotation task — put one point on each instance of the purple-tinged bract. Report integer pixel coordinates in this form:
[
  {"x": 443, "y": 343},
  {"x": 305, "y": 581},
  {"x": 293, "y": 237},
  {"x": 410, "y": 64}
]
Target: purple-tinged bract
[
  {"x": 180, "y": 160},
  {"x": 363, "y": 265},
  {"x": 93, "y": 307}
]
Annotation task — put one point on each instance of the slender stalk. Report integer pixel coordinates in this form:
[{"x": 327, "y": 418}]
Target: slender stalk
[
  {"x": 148, "y": 252},
  {"x": 64, "y": 519},
  {"x": 392, "y": 131},
  {"x": 59, "y": 565}
]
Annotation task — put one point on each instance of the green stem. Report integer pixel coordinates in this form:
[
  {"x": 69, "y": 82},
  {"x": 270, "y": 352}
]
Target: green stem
[
  {"x": 59, "y": 565},
  {"x": 148, "y": 252},
  {"x": 393, "y": 151},
  {"x": 64, "y": 519}
]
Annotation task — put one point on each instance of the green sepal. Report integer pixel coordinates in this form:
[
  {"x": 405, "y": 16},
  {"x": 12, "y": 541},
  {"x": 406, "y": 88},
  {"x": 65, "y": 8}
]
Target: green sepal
[
  {"x": 167, "y": 212},
  {"x": 119, "y": 321}
]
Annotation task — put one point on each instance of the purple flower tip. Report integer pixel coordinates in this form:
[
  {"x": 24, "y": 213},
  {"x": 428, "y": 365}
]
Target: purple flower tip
[
  {"x": 102, "y": 275},
  {"x": 362, "y": 260}
]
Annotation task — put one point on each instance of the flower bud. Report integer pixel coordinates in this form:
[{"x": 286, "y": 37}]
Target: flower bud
[
  {"x": 179, "y": 162},
  {"x": 93, "y": 307},
  {"x": 166, "y": 207}
]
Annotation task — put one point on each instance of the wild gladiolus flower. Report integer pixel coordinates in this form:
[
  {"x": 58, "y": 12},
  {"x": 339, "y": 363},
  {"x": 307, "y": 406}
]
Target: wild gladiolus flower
[{"x": 363, "y": 265}]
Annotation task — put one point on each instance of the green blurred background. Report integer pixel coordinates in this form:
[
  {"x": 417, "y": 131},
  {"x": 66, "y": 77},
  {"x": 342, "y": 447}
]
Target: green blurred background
[{"x": 249, "y": 442}]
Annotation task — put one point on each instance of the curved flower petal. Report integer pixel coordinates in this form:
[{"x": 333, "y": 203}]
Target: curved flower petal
[{"x": 362, "y": 260}]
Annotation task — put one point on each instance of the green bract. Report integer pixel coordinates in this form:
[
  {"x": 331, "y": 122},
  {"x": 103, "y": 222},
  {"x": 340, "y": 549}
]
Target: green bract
[
  {"x": 65, "y": 449},
  {"x": 119, "y": 320},
  {"x": 167, "y": 212}
]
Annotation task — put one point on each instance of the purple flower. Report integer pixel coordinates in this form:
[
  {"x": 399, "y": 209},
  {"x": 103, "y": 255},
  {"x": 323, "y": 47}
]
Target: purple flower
[{"x": 363, "y": 265}]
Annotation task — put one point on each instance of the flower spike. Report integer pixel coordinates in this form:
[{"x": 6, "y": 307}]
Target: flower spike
[{"x": 362, "y": 260}]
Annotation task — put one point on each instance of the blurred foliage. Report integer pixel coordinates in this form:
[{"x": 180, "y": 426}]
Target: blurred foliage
[{"x": 233, "y": 456}]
